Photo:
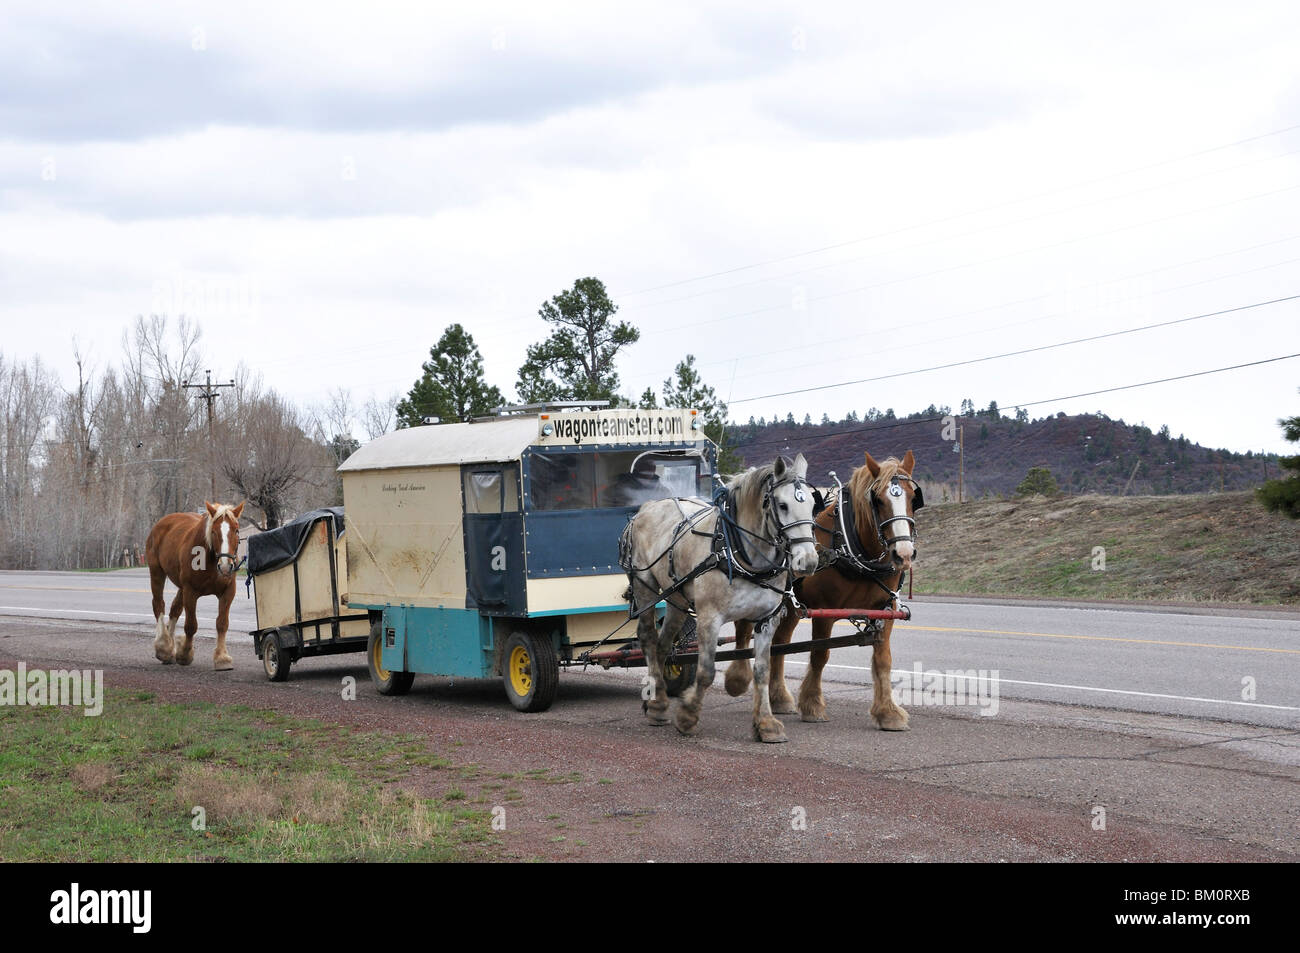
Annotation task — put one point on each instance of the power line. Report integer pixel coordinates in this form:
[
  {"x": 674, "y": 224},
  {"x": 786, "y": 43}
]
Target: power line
[
  {"x": 1028, "y": 350},
  {"x": 1034, "y": 403},
  {"x": 959, "y": 215},
  {"x": 966, "y": 234},
  {"x": 947, "y": 338},
  {"x": 984, "y": 261}
]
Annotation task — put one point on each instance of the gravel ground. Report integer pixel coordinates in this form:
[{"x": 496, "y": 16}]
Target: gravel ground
[{"x": 1021, "y": 786}]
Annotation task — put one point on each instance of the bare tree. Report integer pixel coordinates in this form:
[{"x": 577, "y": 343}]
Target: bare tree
[
  {"x": 378, "y": 416},
  {"x": 267, "y": 455}
]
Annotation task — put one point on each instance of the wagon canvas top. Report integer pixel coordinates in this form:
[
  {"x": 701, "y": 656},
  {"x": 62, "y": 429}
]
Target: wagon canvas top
[{"x": 506, "y": 438}]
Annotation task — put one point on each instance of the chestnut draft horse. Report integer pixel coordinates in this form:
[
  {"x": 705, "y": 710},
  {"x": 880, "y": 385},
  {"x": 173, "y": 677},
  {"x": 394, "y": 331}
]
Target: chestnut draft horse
[
  {"x": 196, "y": 551},
  {"x": 865, "y": 572}
]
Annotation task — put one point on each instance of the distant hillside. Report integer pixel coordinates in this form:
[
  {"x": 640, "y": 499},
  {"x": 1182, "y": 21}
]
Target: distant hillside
[
  {"x": 1212, "y": 547},
  {"x": 1085, "y": 453}
]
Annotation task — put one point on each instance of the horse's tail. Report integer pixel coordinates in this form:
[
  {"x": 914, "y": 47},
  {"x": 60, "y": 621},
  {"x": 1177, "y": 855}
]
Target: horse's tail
[{"x": 626, "y": 547}]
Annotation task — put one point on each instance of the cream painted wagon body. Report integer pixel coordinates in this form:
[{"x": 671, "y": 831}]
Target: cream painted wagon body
[
  {"x": 302, "y": 609},
  {"x": 491, "y": 548}
]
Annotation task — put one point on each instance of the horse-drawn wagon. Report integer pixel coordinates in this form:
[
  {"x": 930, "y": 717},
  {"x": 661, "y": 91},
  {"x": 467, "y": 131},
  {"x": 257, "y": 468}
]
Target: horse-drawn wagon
[
  {"x": 491, "y": 547},
  {"x": 505, "y": 546}
]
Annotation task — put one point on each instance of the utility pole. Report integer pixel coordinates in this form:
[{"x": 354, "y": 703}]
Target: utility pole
[
  {"x": 209, "y": 392},
  {"x": 961, "y": 463}
]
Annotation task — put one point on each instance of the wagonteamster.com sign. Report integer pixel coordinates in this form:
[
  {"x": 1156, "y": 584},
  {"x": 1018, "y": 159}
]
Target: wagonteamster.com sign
[{"x": 617, "y": 426}]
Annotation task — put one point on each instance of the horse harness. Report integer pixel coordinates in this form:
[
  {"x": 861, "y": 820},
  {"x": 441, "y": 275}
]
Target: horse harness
[
  {"x": 728, "y": 552},
  {"x": 846, "y": 555}
]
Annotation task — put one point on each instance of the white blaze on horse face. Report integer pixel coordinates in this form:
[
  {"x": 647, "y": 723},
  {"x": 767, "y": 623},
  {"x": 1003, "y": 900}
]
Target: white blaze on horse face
[
  {"x": 224, "y": 568},
  {"x": 903, "y": 549}
]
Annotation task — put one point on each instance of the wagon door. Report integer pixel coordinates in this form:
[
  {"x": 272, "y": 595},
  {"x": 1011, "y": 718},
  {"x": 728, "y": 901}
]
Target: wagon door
[{"x": 494, "y": 539}]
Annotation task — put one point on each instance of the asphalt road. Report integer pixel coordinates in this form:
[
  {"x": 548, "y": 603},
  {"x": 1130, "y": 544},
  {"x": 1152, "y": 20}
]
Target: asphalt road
[{"x": 1241, "y": 666}]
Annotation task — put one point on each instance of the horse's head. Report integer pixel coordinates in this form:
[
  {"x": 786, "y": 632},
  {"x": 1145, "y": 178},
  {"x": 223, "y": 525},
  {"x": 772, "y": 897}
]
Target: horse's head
[
  {"x": 223, "y": 535},
  {"x": 895, "y": 497},
  {"x": 789, "y": 501}
]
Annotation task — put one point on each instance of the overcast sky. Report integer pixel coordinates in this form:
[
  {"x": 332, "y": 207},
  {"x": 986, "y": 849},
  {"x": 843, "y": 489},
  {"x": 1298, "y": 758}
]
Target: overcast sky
[{"x": 798, "y": 194}]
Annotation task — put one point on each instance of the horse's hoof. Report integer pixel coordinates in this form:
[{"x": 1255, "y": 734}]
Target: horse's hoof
[
  {"x": 184, "y": 659},
  {"x": 165, "y": 659},
  {"x": 770, "y": 735},
  {"x": 784, "y": 706},
  {"x": 813, "y": 717},
  {"x": 658, "y": 719},
  {"x": 687, "y": 724},
  {"x": 893, "y": 721},
  {"x": 736, "y": 682},
  {"x": 223, "y": 665}
]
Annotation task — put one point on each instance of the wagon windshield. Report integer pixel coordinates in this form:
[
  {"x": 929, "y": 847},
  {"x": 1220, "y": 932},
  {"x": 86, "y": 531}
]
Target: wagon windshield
[{"x": 578, "y": 481}]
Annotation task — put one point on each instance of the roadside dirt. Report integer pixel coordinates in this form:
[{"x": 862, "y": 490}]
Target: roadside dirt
[{"x": 606, "y": 786}]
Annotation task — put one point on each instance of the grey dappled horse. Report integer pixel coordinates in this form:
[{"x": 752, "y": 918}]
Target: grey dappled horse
[{"x": 730, "y": 560}]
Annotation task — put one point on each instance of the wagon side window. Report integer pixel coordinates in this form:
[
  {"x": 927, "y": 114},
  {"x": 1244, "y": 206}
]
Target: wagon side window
[
  {"x": 562, "y": 481},
  {"x": 491, "y": 491}
]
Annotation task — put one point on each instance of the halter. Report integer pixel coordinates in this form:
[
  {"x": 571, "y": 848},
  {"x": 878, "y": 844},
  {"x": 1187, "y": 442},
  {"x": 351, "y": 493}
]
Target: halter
[
  {"x": 896, "y": 490},
  {"x": 235, "y": 561},
  {"x": 845, "y": 558},
  {"x": 769, "y": 504},
  {"x": 728, "y": 550}
]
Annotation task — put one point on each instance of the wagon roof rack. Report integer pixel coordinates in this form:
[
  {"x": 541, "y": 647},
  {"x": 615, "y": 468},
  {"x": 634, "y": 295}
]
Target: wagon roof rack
[{"x": 513, "y": 410}]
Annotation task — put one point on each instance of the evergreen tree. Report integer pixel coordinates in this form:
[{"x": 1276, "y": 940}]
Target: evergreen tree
[
  {"x": 577, "y": 361},
  {"x": 452, "y": 387},
  {"x": 687, "y": 390},
  {"x": 1284, "y": 495}
]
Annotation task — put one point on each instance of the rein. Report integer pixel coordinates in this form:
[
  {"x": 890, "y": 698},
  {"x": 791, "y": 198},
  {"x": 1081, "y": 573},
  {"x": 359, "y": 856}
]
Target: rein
[
  {"x": 847, "y": 558},
  {"x": 728, "y": 548}
]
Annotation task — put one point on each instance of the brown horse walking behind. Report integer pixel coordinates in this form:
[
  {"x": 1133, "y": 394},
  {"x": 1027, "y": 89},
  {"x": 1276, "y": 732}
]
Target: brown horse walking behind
[
  {"x": 197, "y": 552},
  {"x": 884, "y": 497}
]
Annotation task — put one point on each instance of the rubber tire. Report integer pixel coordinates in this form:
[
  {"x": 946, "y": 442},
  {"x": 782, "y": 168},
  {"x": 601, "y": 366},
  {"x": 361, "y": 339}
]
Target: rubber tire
[
  {"x": 275, "y": 660},
  {"x": 678, "y": 678},
  {"x": 543, "y": 671},
  {"x": 397, "y": 683}
]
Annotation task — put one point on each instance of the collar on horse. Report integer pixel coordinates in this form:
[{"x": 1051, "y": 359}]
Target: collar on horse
[
  {"x": 847, "y": 555},
  {"x": 728, "y": 550}
]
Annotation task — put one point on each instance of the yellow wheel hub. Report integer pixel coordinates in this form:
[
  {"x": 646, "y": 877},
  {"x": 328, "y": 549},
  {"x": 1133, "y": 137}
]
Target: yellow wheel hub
[
  {"x": 376, "y": 654},
  {"x": 520, "y": 671}
]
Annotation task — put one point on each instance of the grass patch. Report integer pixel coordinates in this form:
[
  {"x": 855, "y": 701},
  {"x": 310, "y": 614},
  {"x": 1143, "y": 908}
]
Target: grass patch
[
  {"x": 150, "y": 781},
  {"x": 1218, "y": 547}
]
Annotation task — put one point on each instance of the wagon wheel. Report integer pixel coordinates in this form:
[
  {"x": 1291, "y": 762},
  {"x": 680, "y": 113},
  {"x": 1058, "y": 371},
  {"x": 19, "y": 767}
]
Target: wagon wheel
[
  {"x": 275, "y": 658},
  {"x": 532, "y": 671},
  {"x": 679, "y": 675},
  {"x": 386, "y": 682}
]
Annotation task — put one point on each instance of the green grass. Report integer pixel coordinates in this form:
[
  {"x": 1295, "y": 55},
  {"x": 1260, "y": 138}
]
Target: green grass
[
  {"x": 1221, "y": 547},
  {"x": 124, "y": 786}
]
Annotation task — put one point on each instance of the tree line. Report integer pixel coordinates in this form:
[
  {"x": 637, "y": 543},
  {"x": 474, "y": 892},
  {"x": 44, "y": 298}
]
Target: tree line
[{"x": 87, "y": 467}]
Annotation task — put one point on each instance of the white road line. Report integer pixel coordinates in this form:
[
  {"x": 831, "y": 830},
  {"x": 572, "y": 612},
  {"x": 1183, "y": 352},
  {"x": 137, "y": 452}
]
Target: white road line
[
  {"x": 1086, "y": 688},
  {"x": 138, "y": 615}
]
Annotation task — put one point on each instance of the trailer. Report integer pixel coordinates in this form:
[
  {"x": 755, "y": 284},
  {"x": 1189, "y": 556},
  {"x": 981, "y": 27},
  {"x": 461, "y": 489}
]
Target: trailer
[
  {"x": 302, "y": 610},
  {"x": 490, "y": 548}
]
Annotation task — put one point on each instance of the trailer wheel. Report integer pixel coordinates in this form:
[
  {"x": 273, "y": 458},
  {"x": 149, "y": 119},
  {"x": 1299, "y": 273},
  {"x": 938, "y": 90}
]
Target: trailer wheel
[
  {"x": 386, "y": 682},
  {"x": 678, "y": 676},
  {"x": 275, "y": 659},
  {"x": 532, "y": 671}
]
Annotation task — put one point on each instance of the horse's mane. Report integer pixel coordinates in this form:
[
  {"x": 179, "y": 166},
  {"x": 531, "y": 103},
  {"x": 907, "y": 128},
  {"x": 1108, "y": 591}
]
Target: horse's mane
[
  {"x": 862, "y": 484},
  {"x": 223, "y": 510},
  {"x": 747, "y": 490}
]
